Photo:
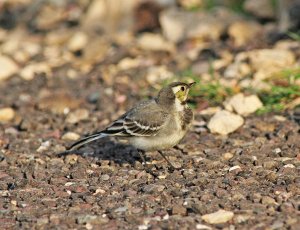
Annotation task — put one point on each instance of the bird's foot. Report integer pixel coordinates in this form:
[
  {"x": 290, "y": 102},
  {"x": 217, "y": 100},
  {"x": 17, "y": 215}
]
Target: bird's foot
[
  {"x": 149, "y": 169},
  {"x": 172, "y": 168}
]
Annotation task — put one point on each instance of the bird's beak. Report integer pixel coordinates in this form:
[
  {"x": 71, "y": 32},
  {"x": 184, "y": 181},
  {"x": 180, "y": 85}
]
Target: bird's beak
[{"x": 191, "y": 84}]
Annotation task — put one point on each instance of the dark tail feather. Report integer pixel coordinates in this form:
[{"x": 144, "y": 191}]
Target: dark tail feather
[{"x": 86, "y": 140}]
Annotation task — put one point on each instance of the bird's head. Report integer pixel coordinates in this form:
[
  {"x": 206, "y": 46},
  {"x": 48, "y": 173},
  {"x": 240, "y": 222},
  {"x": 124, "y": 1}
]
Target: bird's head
[
  {"x": 175, "y": 91},
  {"x": 181, "y": 90}
]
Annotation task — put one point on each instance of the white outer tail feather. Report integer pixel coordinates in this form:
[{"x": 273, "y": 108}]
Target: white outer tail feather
[{"x": 86, "y": 140}]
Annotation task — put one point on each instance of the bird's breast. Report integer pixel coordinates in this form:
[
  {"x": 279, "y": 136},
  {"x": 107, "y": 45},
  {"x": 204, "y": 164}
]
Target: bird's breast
[{"x": 169, "y": 136}]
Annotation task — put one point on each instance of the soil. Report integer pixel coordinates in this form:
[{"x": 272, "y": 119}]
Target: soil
[{"x": 253, "y": 172}]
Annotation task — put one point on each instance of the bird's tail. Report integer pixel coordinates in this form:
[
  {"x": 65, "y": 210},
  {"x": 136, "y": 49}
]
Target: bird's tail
[{"x": 86, "y": 140}]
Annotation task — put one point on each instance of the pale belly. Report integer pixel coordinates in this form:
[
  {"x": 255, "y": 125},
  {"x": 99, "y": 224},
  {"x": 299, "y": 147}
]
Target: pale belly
[
  {"x": 157, "y": 142},
  {"x": 168, "y": 137}
]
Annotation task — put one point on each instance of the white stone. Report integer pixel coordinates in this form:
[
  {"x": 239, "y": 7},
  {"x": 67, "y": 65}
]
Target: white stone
[
  {"x": 268, "y": 61},
  {"x": 227, "y": 156},
  {"x": 243, "y": 105},
  {"x": 8, "y": 68},
  {"x": 154, "y": 42},
  {"x": 267, "y": 58},
  {"x": 236, "y": 167},
  {"x": 143, "y": 227},
  {"x": 99, "y": 191},
  {"x": 237, "y": 70},
  {"x": 96, "y": 11},
  {"x": 203, "y": 227},
  {"x": 71, "y": 136},
  {"x": 157, "y": 74},
  {"x": 129, "y": 63},
  {"x": 77, "y": 115},
  {"x": 69, "y": 184},
  {"x": 225, "y": 122},
  {"x": 219, "y": 217},
  {"x": 289, "y": 166},
  {"x": 242, "y": 218},
  {"x": 89, "y": 226},
  {"x": 260, "y": 8},
  {"x": 121, "y": 209},
  {"x": 78, "y": 41},
  {"x": 172, "y": 25},
  {"x": 6, "y": 114},
  {"x": 179, "y": 24},
  {"x": 277, "y": 150},
  {"x": 109, "y": 15},
  {"x": 44, "y": 146},
  {"x": 242, "y": 32},
  {"x": 190, "y": 4},
  {"x": 29, "y": 71},
  {"x": 210, "y": 110}
]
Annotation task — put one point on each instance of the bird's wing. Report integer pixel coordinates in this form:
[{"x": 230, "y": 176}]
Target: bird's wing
[{"x": 144, "y": 120}]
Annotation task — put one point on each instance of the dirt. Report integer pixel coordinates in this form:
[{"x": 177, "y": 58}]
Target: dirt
[{"x": 253, "y": 172}]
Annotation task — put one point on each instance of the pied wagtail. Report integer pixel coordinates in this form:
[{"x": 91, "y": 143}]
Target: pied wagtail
[{"x": 153, "y": 125}]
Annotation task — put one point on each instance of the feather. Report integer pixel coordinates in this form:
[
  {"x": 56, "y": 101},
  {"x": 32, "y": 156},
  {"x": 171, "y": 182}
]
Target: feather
[{"x": 86, "y": 140}]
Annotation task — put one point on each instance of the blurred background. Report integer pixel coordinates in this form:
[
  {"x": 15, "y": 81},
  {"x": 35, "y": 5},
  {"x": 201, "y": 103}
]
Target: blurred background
[{"x": 53, "y": 51}]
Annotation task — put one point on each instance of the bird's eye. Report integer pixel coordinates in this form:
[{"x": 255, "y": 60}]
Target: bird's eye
[{"x": 182, "y": 88}]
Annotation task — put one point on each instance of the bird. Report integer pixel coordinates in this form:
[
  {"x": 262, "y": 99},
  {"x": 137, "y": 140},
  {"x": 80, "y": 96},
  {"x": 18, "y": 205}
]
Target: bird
[{"x": 154, "y": 125}]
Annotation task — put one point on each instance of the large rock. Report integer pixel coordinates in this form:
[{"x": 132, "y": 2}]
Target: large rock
[
  {"x": 8, "y": 68},
  {"x": 242, "y": 32},
  {"x": 243, "y": 105},
  {"x": 178, "y": 25},
  {"x": 262, "y": 63},
  {"x": 109, "y": 15},
  {"x": 173, "y": 24},
  {"x": 269, "y": 61},
  {"x": 219, "y": 217},
  {"x": 237, "y": 70},
  {"x": 260, "y": 8},
  {"x": 225, "y": 122},
  {"x": 154, "y": 42}
]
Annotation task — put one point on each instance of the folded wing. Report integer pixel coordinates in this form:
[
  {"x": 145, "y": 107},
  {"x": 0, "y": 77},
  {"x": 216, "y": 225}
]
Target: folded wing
[{"x": 145, "y": 120}]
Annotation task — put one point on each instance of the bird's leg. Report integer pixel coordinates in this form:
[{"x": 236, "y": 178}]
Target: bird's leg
[
  {"x": 167, "y": 160},
  {"x": 146, "y": 166},
  {"x": 141, "y": 153}
]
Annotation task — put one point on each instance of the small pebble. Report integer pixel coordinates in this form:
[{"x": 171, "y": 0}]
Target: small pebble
[
  {"x": 227, "y": 156},
  {"x": 6, "y": 114},
  {"x": 219, "y": 217},
  {"x": 44, "y": 146},
  {"x": 77, "y": 115},
  {"x": 70, "y": 136},
  {"x": 105, "y": 177}
]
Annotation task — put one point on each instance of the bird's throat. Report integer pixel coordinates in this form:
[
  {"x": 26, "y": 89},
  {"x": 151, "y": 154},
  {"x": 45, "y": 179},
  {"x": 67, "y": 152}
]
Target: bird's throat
[{"x": 179, "y": 105}]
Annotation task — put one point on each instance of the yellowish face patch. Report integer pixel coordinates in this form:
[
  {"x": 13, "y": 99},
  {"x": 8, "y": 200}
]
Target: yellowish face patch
[
  {"x": 181, "y": 95},
  {"x": 181, "y": 92}
]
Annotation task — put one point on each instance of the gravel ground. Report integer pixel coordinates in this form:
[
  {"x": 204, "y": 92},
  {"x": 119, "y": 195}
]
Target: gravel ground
[
  {"x": 68, "y": 68},
  {"x": 253, "y": 173}
]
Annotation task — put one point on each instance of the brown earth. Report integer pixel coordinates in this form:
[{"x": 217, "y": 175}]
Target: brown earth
[{"x": 252, "y": 172}]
